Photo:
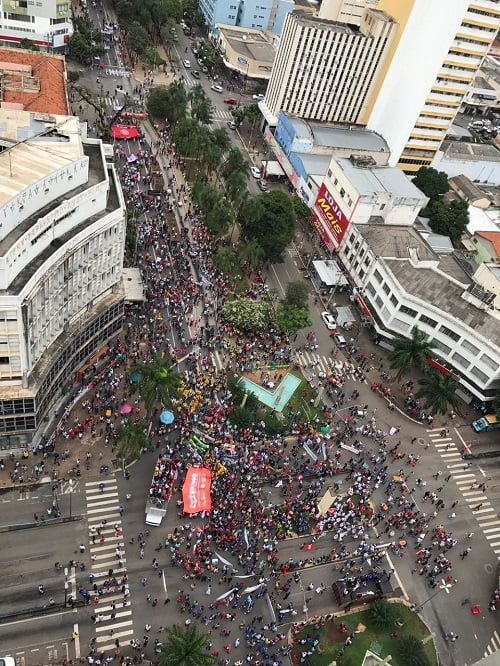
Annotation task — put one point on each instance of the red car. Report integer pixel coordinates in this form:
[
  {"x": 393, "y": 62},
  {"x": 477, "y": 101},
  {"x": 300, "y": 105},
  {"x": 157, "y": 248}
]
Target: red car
[{"x": 231, "y": 100}]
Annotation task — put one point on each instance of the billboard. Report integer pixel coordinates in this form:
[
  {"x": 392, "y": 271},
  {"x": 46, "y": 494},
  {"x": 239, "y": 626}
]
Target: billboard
[{"x": 330, "y": 216}]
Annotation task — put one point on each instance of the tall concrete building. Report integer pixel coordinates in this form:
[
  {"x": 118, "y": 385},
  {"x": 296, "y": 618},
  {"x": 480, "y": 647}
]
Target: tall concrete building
[
  {"x": 266, "y": 15},
  {"x": 438, "y": 49},
  {"x": 326, "y": 70},
  {"x": 402, "y": 73},
  {"x": 47, "y": 23},
  {"x": 62, "y": 233}
]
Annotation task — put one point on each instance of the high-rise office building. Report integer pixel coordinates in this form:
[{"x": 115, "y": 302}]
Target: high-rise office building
[
  {"x": 48, "y": 23},
  {"x": 438, "y": 48},
  {"x": 402, "y": 73},
  {"x": 267, "y": 15},
  {"x": 325, "y": 70},
  {"x": 62, "y": 234}
]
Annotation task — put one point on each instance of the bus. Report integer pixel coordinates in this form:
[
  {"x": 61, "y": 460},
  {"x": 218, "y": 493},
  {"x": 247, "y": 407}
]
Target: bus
[{"x": 486, "y": 423}]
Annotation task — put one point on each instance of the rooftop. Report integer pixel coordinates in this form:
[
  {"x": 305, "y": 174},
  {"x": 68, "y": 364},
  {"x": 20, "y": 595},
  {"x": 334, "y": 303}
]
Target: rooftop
[
  {"x": 251, "y": 44},
  {"x": 316, "y": 165},
  {"x": 48, "y": 71},
  {"x": 493, "y": 237},
  {"x": 462, "y": 150},
  {"x": 338, "y": 137},
  {"x": 376, "y": 179},
  {"x": 40, "y": 144}
]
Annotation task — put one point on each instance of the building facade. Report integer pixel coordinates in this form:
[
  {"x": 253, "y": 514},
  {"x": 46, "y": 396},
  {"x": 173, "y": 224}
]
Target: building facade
[
  {"x": 48, "y": 23},
  {"x": 417, "y": 98},
  {"x": 325, "y": 70},
  {"x": 403, "y": 283},
  {"x": 62, "y": 234},
  {"x": 267, "y": 15}
]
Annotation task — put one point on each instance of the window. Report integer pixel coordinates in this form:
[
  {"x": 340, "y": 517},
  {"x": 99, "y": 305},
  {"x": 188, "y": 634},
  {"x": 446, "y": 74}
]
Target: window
[
  {"x": 408, "y": 311},
  {"x": 370, "y": 289},
  {"x": 427, "y": 320},
  {"x": 437, "y": 344},
  {"x": 377, "y": 276},
  {"x": 367, "y": 261},
  {"x": 400, "y": 325},
  {"x": 470, "y": 347},
  {"x": 20, "y": 17},
  {"x": 451, "y": 334},
  {"x": 351, "y": 238},
  {"x": 394, "y": 301},
  {"x": 379, "y": 301},
  {"x": 387, "y": 289},
  {"x": 362, "y": 273},
  {"x": 479, "y": 374},
  {"x": 461, "y": 360},
  {"x": 489, "y": 362}
]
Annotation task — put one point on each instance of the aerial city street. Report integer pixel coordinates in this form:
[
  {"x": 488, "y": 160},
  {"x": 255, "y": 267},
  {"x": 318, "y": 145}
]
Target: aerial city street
[{"x": 250, "y": 381}]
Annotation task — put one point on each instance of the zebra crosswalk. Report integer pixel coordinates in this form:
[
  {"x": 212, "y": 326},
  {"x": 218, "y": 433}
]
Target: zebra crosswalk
[
  {"x": 471, "y": 488},
  {"x": 107, "y": 550},
  {"x": 493, "y": 645}
]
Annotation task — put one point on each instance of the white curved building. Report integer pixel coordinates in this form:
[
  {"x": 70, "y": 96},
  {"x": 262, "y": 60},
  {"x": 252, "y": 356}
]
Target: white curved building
[{"x": 62, "y": 232}]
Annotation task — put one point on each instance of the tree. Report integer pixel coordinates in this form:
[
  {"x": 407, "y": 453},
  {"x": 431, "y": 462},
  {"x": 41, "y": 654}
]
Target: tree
[
  {"x": 201, "y": 107},
  {"x": 410, "y": 650},
  {"x": 168, "y": 102},
  {"x": 382, "y": 614},
  {"x": 225, "y": 260},
  {"x": 158, "y": 383},
  {"x": 247, "y": 314},
  {"x": 250, "y": 255},
  {"x": 242, "y": 417},
  {"x": 185, "y": 646},
  {"x": 138, "y": 38},
  {"x": 292, "y": 319},
  {"x": 275, "y": 227},
  {"x": 410, "y": 353},
  {"x": 297, "y": 293},
  {"x": 302, "y": 210},
  {"x": 28, "y": 45},
  {"x": 132, "y": 439},
  {"x": 439, "y": 392},
  {"x": 450, "y": 219},
  {"x": 431, "y": 182}
]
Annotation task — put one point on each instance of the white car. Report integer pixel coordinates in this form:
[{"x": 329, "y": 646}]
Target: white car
[
  {"x": 329, "y": 320},
  {"x": 186, "y": 64},
  {"x": 257, "y": 97},
  {"x": 340, "y": 341},
  {"x": 255, "y": 171},
  {"x": 216, "y": 88},
  {"x": 7, "y": 661}
]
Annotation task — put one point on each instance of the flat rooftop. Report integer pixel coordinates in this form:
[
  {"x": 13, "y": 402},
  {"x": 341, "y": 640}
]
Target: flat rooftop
[
  {"x": 393, "y": 242},
  {"x": 21, "y": 69},
  {"x": 474, "y": 152},
  {"x": 333, "y": 136},
  {"x": 376, "y": 179},
  {"x": 315, "y": 165},
  {"x": 39, "y": 145},
  {"x": 251, "y": 44}
]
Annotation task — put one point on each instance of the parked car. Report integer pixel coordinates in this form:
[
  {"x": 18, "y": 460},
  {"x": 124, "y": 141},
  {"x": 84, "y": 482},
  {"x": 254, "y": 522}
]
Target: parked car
[
  {"x": 329, "y": 320},
  {"x": 186, "y": 64},
  {"x": 231, "y": 100},
  {"x": 216, "y": 88},
  {"x": 340, "y": 341},
  {"x": 196, "y": 73},
  {"x": 257, "y": 97},
  {"x": 231, "y": 124},
  {"x": 194, "y": 49},
  {"x": 262, "y": 184},
  {"x": 255, "y": 171},
  {"x": 204, "y": 69}
]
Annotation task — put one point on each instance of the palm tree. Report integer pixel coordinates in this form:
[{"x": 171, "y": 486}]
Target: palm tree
[
  {"x": 411, "y": 353},
  {"x": 185, "y": 646},
  {"x": 158, "y": 383},
  {"x": 250, "y": 254},
  {"x": 439, "y": 392},
  {"x": 235, "y": 162},
  {"x": 225, "y": 260},
  {"x": 176, "y": 102},
  {"x": 132, "y": 439}
]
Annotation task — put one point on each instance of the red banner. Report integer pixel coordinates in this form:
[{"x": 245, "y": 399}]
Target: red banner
[
  {"x": 196, "y": 490},
  {"x": 124, "y": 131},
  {"x": 330, "y": 216}
]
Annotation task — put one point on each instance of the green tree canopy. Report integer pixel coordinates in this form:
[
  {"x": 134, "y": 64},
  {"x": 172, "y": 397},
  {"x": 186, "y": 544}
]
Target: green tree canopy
[
  {"x": 410, "y": 353},
  {"x": 439, "y": 392},
  {"x": 297, "y": 293},
  {"x": 292, "y": 319},
  {"x": 410, "y": 651},
  {"x": 168, "y": 102},
  {"x": 132, "y": 439},
  {"x": 302, "y": 210},
  {"x": 185, "y": 646},
  {"x": 431, "y": 182},
  {"x": 274, "y": 228},
  {"x": 450, "y": 219},
  {"x": 159, "y": 382},
  {"x": 247, "y": 314},
  {"x": 138, "y": 38}
]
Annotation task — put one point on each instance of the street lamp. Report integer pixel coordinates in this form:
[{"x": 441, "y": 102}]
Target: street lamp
[
  {"x": 444, "y": 586},
  {"x": 70, "y": 497}
]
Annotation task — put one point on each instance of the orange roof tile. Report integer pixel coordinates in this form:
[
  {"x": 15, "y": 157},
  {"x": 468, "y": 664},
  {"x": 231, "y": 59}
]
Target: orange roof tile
[
  {"x": 493, "y": 237},
  {"x": 50, "y": 70}
]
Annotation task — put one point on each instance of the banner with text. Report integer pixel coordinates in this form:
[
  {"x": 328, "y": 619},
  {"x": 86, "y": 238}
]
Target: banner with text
[
  {"x": 330, "y": 216},
  {"x": 196, "y": 490}
]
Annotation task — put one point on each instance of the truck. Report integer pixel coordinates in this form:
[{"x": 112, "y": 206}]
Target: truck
[
  {"x": 160, "y": 492},
  {"x": 486, "y": 423}
]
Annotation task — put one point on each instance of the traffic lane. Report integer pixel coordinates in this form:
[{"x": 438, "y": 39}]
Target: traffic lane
[
  {"x": 40, "y": 640},
  {"x": 27, "y": 560},
  {"x": 20, "y": 505}
]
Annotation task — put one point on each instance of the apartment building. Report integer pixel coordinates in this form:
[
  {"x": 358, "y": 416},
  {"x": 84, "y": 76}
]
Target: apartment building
[
  {"x": 47, "y": 23},
  {"x": 62, "y": 234},
  {"x": 266, "y": 15}
]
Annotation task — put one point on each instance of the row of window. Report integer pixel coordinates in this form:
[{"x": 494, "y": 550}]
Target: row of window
[{"x": 432, "y": 323}]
